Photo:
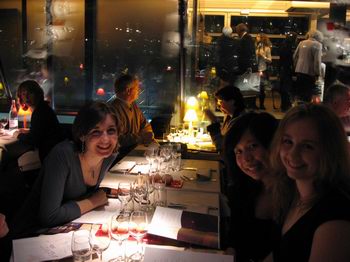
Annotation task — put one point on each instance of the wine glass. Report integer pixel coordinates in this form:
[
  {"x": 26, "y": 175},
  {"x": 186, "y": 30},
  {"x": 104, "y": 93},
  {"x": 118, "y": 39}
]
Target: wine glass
[
  {"x": 138, "y": 229},
  {"x": 140, "y": 188},
  {"x": 124, "y": 194},
  {"x": 119, "y": 228},
  {"x": 100, "y": 238},
  {"x": 151, "y": 154},
  {"x": 80, "y": 245},
  {"x": 3, "y": 122},
  {"x": 159, "y": 183}
]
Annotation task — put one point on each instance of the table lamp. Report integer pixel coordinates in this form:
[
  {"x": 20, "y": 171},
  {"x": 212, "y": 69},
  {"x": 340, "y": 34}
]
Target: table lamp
[{"x": 190, "y": 117}]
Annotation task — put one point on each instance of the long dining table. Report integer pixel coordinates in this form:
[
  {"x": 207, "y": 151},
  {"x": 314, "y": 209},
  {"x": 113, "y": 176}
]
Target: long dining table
[{"x": 194, "y": 195}]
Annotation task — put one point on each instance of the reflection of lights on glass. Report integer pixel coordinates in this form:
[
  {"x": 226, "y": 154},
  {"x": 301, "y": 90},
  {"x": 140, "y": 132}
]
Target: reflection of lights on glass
[
  {"x": 66, "y": 79},
  {"x": 1, "y": 86},
  {"x": 100, "y": 92},
  {"x": 138, "y": 31},
  {"x": 81, "y": 66},
  {"x": 168, "y": 68},
  {"x": 86, "y": 39},
  {"x": 130, "y": 40}
]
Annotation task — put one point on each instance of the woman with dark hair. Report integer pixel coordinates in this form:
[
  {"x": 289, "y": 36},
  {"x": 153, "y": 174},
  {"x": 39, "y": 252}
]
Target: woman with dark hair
[
  {"x": 231, "y": 103},
  {"x": 310, "y": 155},
  {"x": 45, "y": 131},
  {"x": 252, "y": 231},
  {"x": 68, "y": 185}
]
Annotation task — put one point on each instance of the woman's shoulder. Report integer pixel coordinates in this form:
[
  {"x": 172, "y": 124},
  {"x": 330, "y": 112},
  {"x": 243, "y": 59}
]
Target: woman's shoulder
[{"x": 64, "y": 148}]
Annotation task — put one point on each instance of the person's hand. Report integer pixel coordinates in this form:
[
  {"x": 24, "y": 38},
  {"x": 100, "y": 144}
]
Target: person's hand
[
  {"x": 3, "y": 226},
  {"x": 99, "y": 198},
  {"x": 210, "y": 115},
  {"x": 23, "y": 130}
]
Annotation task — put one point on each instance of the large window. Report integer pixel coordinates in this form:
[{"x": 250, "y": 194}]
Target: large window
[{"x": 77, "y": 48}]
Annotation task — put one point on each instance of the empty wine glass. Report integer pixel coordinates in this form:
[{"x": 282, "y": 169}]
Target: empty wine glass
[
  {"x": 124, "y": 194},
  {"x": 80, "y": 245},
  {"x": 120, "y": 231},
  {"x": 151, "y": 154},
  {"x": 140, "y": 188},
  {"x": 100, "y": 238},
  {"x": 138, "y": 229},
  {"x": 159, "y": 183},
  {"x": 3, "y": 122}
]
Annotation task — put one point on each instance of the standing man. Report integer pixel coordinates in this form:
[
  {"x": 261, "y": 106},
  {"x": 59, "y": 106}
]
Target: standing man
[
  {"x": 136, "y": 129},
  {"x": 307, "y": 62},
  {"x": 247, "y": 57},
  {"x": 227, "y": 55},
  {"x": 337, "y": 97}
]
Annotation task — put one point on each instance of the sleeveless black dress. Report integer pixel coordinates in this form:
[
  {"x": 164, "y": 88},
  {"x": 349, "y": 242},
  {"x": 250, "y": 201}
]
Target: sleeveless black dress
[{"x": 295, "y": 244}]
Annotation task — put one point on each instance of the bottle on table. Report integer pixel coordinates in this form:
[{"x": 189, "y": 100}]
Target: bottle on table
[{"x": 13, "y": 116}]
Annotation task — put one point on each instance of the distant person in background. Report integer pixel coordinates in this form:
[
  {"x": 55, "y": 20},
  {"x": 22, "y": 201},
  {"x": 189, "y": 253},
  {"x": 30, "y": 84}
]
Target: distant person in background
[
  {"x": 227, "y": 55},
  {"x": 136, "y": 129},
  {"x": 44, "y": 132},
  {"x": 246, "y": 52},
  {"x": 47, "y": 80},
  {"x": 337, "y": 97},
  {"x": 68, "y": 185},
  {"x": 307, "y": 63},
  {"x": 253, "y": 231},
  {"x": 286, "y": 69},
  {"x": 231, "y": 103},
  {"x": 263, "y": 53}
]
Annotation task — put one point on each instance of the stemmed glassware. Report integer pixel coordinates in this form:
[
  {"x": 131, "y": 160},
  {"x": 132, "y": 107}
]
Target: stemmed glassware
[
  {"x": 159, "y": 183},
  {"x": 80, "y": 245},
  {"x": 124, "y": 194},
  {"x": 100, "y": 238},
  {"x": 3, "y": 122},
  {"x": 142, "y": 188},
  {"x": 138, "y": 229},
  {"x": 120, "y": 231},
  {"x": 151, "y": 155}
]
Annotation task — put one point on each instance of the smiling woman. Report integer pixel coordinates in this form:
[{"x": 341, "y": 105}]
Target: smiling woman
[
  {"x": 310, "y": 156},
  {"x": 69, "y": 181}
]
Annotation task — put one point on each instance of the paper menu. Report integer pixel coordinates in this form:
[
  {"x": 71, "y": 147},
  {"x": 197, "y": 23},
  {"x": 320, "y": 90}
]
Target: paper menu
[
  {"x": 124, "y": 166},
  {"x": 170, "y": 255},
  {"x": 42, "y": 248},
  {"x": 190, "y": 227},
  {"x": 101, "y": 214}
]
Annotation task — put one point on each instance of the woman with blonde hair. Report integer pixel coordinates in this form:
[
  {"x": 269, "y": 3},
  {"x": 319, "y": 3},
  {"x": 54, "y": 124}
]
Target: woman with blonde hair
[
  {"x": 263, "y": 54},
  {"x": 310, "y": 154}
]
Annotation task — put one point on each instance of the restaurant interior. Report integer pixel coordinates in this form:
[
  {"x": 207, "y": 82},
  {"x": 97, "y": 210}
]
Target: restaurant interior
[{"x": 78, "y": 48}]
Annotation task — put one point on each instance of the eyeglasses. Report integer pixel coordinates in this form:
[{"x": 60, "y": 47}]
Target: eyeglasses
[{"x": 99, "y": 133}]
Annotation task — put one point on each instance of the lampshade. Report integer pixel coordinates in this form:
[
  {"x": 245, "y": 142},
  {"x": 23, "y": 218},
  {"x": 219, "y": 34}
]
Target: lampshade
[
  {"x": 192, "y": 103},
  {"x": 191, "y": 116}
]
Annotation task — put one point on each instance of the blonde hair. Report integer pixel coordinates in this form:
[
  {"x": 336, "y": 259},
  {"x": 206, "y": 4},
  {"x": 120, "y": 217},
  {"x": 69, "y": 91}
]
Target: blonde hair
[{"x": 333, "y": 171}]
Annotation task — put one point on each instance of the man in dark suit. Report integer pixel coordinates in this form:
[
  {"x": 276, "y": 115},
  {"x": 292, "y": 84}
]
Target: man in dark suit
[{"x": 247, "y": 57}]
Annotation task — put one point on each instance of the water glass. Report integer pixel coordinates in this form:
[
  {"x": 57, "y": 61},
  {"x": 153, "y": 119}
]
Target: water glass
[
  {"x": 80, "y": 245},
  {"x": 138, "y": 229},
  {"x": 119, "y": 229}
]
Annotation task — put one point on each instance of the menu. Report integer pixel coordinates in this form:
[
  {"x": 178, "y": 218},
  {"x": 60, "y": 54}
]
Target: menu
[{"x": 190, "y": 227}]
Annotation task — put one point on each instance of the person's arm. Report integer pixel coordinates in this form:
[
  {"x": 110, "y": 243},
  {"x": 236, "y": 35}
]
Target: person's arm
[
  {"x": 317, "y": 59},
  {"x": 268, "y": 57},
  {"x": 296, "y": 55},
  {"x": 62, "y": 199},
  {"x": 331, "y": 242}
]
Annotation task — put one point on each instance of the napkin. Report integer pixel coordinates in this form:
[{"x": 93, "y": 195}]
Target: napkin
[{"x": 124, "y": 166}]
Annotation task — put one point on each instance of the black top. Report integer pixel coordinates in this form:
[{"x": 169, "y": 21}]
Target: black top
[
  {"x": 247, "y": 57},
  {"x": 252, "y": 238},
  {"x": 295, "y": 244},
  {"x": 45, "y": 131},
  {"x": 227, "y": 53}
]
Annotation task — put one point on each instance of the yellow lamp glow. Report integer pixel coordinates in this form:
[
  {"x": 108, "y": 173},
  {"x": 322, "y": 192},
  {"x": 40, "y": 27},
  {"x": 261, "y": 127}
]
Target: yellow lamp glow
[
  {"x": 192, "y": 103},
  {"x": 203, "y": 95},
  {"x": 190, "y": 117},
  {"x": 24, "y": 113}
]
